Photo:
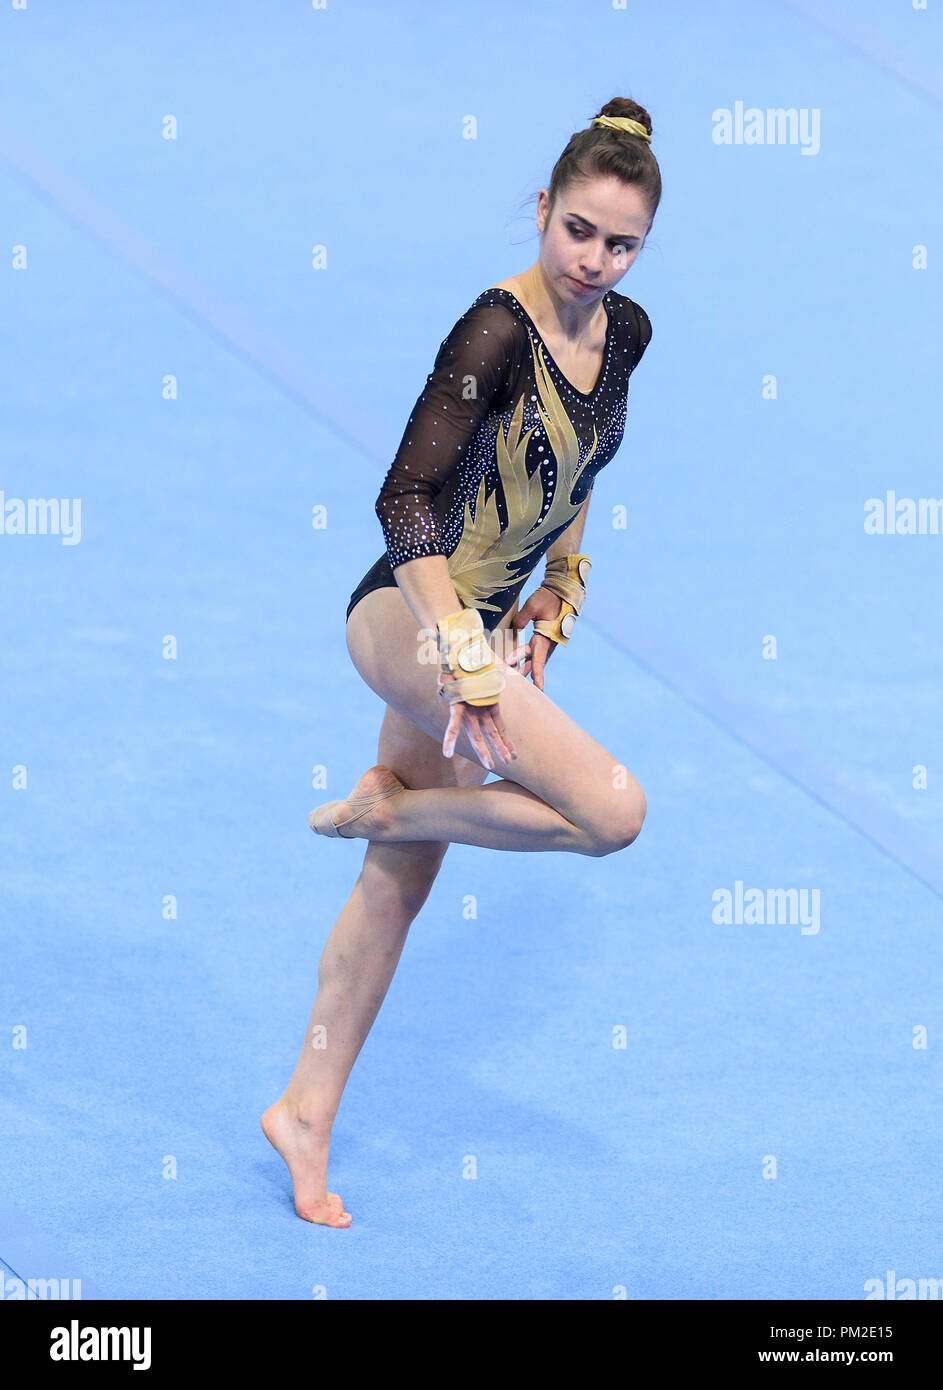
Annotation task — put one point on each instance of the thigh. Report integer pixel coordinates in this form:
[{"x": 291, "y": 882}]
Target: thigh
[{"x": 557, "y": 759}]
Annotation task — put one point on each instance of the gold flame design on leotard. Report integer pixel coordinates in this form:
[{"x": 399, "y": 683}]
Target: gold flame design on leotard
[{"x": 482, "y": 562}]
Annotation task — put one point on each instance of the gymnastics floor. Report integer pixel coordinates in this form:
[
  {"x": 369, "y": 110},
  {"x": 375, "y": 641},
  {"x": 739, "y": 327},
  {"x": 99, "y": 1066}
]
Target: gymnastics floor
[{"x": 582, "y": 1085}]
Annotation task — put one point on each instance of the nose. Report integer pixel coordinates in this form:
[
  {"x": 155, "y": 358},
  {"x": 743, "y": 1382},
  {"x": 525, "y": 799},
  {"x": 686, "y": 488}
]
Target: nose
[{"x": 590, "y": 272}]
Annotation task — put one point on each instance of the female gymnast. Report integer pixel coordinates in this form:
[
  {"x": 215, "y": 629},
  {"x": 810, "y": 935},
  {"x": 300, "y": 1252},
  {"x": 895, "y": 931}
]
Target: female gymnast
[{"x": 525, "y": 403}]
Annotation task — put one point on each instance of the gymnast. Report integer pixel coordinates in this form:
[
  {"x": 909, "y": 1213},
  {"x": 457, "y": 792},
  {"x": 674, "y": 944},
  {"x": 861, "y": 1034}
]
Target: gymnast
[{"x": 525, "y": 403}]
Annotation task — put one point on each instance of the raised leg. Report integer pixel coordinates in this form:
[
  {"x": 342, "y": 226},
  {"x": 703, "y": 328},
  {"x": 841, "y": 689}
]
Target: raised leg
[{"x": 563, "y": 791}]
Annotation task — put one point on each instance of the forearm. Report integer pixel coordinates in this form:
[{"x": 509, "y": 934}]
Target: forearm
[
  {"x": 427, "y": 587},
  {"x": 569, "y": 542}
]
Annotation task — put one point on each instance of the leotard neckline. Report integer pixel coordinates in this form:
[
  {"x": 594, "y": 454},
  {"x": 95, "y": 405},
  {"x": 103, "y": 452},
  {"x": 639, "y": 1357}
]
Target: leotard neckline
[{"x": 584, "y": 395}]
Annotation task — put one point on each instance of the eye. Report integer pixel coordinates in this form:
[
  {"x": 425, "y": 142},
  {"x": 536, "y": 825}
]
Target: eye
[{"x": 580, "y": 234}]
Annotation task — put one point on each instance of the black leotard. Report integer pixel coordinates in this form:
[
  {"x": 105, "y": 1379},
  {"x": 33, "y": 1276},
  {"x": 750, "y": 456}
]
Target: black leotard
[{"x": 500, "y": 451}]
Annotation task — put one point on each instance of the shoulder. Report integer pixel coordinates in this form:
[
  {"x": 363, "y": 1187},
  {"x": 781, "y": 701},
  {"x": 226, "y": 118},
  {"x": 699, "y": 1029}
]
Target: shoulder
[
  {"x": 634, "y": 322},
  {"x": 496, "y": 311},
  {"x": 632, "y": 315},
  {"x": 489, "y": 325}
]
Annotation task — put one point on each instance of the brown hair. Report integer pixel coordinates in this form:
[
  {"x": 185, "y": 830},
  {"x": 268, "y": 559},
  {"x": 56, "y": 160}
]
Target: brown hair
[{"x": 599, "y": 150}]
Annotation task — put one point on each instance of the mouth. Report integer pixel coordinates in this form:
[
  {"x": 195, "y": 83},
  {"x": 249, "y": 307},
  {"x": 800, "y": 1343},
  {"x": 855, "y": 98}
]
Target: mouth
[{"x": 583, "y": 288}]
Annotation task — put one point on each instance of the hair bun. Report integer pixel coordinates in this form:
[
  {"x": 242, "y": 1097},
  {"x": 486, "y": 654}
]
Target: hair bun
[{"x": 623, "y": 114}]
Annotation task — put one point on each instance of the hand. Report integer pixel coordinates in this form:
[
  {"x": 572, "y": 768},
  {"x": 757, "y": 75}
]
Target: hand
[
  {"x": 541, "y": 604},
  {"x": 481, "y": 722}
]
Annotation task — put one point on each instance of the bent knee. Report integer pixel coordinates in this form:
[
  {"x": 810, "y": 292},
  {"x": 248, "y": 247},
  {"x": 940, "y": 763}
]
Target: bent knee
[
  {"x": 622, "y": 827},
  {"x": 397, "y": 878}
]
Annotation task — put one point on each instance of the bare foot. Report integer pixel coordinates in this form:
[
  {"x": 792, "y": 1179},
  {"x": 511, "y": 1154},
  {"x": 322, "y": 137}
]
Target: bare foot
[
  {"x": 304, "y": 1147},
  {"x": 375, "y": 779}
]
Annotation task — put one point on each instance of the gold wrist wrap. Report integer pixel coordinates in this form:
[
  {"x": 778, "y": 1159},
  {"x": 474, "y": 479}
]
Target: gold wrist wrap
[
  {"x": 566, "y": 577},
  {"x": 465, "y": 653}
]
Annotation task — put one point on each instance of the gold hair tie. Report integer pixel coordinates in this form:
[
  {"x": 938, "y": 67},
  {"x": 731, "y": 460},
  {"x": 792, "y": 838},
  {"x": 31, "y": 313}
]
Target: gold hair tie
[{"x": 622, "y": 123}]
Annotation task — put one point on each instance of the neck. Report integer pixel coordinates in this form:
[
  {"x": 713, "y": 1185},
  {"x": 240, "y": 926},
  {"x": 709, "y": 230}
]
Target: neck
[{"x": 573, "y": 320}]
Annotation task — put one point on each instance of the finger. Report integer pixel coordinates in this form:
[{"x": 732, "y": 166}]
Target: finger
[
  {"x": 541, "y": 656},
  {"x": 502, "y": 740},
  {"x": 451, "y": 733},
  {"x": 478, "y": 743},
  {"x": 492, "y": 727}
]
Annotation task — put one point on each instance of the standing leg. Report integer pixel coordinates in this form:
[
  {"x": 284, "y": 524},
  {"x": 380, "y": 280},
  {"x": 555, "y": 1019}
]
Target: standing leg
[{"x": 356, "y": 967}]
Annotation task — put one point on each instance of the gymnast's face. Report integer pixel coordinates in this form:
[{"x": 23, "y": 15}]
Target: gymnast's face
[{"x": 593, "y": 235}]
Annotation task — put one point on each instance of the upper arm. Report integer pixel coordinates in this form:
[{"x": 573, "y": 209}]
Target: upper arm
[
  {"x": 643, "y": 334},
  {"x": 470, "y": 373}
]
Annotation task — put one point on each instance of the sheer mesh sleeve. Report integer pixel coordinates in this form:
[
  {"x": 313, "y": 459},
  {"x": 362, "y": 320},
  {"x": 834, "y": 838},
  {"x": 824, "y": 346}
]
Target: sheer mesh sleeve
[
  {"x": 470, "y": 373},
  {"x": 644, "y": 333}
]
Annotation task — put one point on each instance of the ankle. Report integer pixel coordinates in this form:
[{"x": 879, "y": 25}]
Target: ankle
[{"x": 308, "y": 1111}]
